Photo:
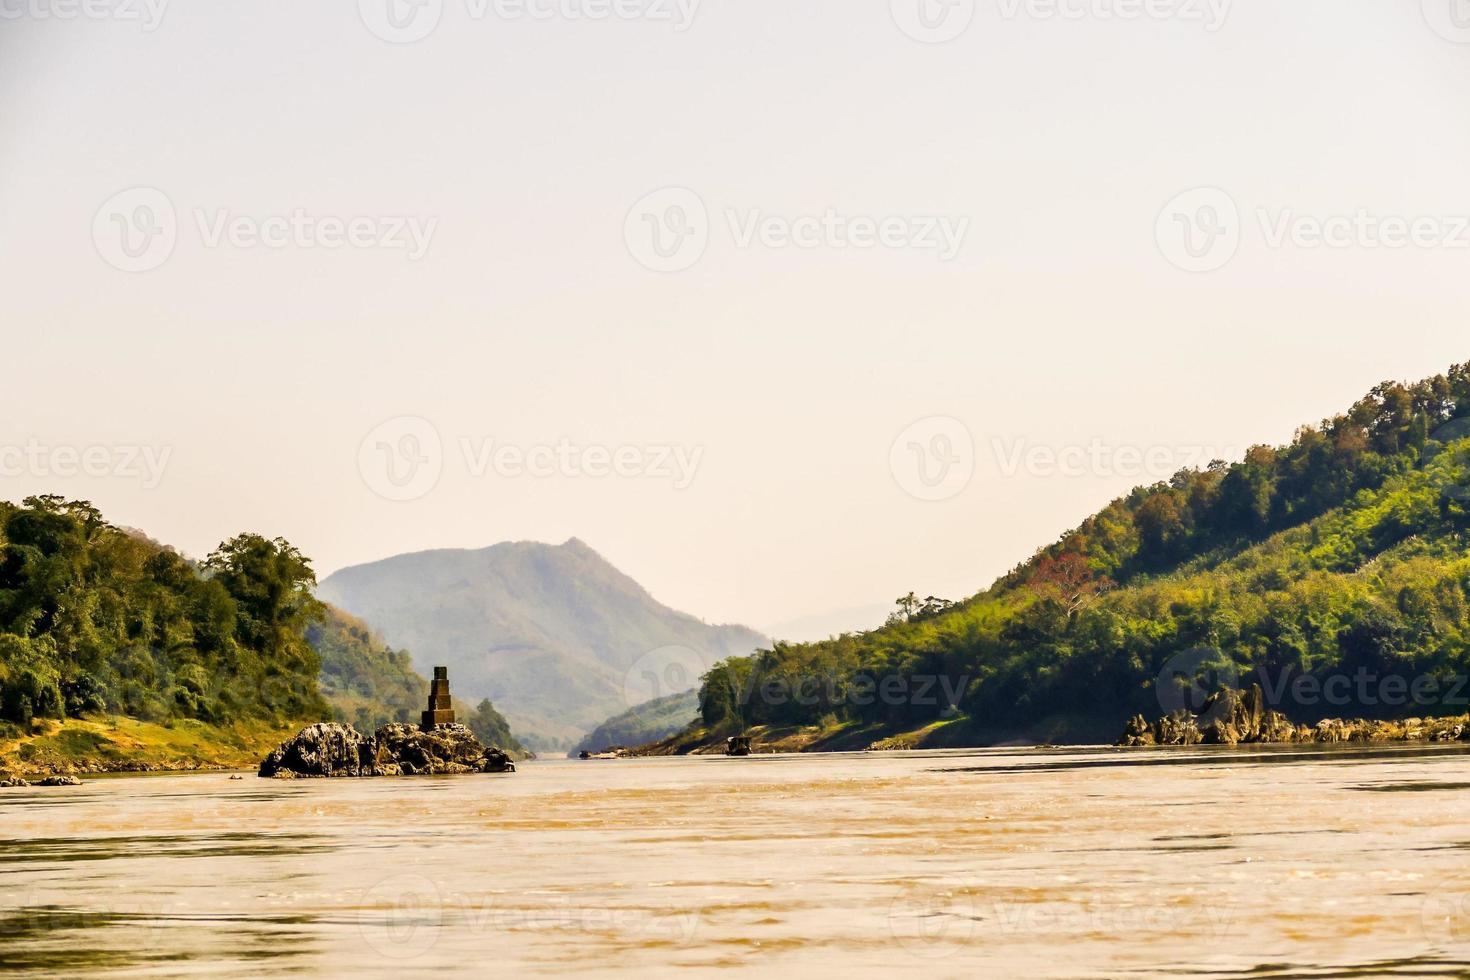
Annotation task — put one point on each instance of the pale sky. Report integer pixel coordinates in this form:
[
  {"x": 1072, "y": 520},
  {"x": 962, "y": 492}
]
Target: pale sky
[{"x": 1056, "y": 314}]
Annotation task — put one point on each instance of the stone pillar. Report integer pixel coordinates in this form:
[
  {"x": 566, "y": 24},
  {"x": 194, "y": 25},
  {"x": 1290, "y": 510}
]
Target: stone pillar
[{"x": 441, "y": 708}]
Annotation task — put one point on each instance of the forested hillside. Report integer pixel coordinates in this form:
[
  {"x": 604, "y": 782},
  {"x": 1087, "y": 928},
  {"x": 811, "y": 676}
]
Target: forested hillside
[
  {"x": 1343, "y": 552},
  {"x": 366, "y": 682},
  {"x": 94, "y": 619},
  {"x": 101, "y": 623}
]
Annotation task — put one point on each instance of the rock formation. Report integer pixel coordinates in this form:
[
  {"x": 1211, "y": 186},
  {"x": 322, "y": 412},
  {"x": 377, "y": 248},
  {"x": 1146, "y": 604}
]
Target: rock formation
[
  {"x": 438, "y": 747},
  {"x": 446, "y": 749},
  {"x": 323, "y": 750},
  {"x": 16, "y": 782},
  {"x": 1232, "y": 717},
  {"x": 333, "y": 750}
]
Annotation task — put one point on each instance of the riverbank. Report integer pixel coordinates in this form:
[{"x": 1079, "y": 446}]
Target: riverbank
[
  {"x": 956, "y": 733},
  {"x": 1228, "y": 718},
  {"x": 79, "y": 746}
]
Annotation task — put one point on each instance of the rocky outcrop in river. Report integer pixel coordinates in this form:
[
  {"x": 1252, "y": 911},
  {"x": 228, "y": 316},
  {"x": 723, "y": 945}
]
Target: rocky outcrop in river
[
  {"x": 16, "y": 782},
  {"x": 333, "y": 750},
  {"x": 1231, "y": 717}
]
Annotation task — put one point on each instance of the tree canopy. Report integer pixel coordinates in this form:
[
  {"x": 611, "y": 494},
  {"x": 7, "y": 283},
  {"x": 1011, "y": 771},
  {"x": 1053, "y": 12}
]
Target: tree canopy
[{"x": 95, "y": 619}]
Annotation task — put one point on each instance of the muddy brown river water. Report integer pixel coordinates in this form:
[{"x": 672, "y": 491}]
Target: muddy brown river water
[{"x": 1022, "y": 862}]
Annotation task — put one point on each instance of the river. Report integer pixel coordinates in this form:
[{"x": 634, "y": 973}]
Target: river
[{"x": 1278, "y": 862}]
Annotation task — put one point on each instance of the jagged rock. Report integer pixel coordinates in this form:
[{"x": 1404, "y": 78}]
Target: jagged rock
[
  {"x": 442, "y": 750},
  {"x": 1277, "y": 728},
  {"x": 1445, "y": 729},
  {"x": 333, "y": 750},
  {"x": 1178, "y": 728},
  {"x": 1138, "y": 733},
  {"x": 326, "y": 750},
  {"x": 1449, "y": 730},
  {"x": 495, "y": 760},
  {"x": 60, "y": 781},
  {"x": 1333, "y": 730},
  {"x": 15, "y": 782},
  {"x": 1232, "y": 717}
]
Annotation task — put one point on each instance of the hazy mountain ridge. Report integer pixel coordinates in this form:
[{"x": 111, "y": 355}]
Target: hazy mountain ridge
[
  {"x": 549, "y": 633},
  {"x": 652, "y": 721}
]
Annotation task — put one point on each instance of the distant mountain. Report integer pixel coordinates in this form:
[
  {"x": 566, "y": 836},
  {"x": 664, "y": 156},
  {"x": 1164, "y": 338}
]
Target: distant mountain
[
  {"x": 556, "y": 636},
  {"x": 653, "y": 721}
]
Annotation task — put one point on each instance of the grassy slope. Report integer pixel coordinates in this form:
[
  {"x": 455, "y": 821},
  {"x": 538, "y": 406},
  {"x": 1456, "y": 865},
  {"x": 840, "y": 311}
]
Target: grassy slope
[{"x": 127, "y": 745}]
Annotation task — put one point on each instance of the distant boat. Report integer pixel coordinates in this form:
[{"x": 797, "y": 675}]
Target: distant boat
[{"x": 737, "y": 745}]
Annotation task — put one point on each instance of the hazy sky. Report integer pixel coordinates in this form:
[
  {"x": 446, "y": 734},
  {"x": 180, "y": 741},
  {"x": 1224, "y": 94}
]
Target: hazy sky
[{"x": 779, "y": 304}]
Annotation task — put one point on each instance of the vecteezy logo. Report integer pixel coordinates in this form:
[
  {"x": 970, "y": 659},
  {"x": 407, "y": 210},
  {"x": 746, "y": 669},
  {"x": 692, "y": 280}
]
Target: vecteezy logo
[
  {"x": 1450, "y": 19},
  {"x": 661, "y": 672},
  {"x": 1199, "y": 230},
  {"x": 1445, "y": 914},
  {"x": 400, "y": 917},
  {"x": 668, "y": 230},
  {"x": 935, "y": 922},
  {"x": 136, "y": 230},
  {"x": 933, "y": 21},
  {"x": 402, "y": 459},
  {"x": 401, "y": 21},
  {"x": 933, "y": 459},
  {"x": 1189, "y": 678}
]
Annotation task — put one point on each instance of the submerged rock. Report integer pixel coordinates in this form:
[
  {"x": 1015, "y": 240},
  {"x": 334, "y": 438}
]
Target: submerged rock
[{"x": 334, "y": 750}]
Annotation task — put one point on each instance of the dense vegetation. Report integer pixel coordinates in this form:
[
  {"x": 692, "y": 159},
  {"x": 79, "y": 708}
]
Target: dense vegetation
[
  {"x": 96, "y": 619},
  {"x": 100, "y": 621},
  {"x": 1344, "y": 552},
  {"x": 491, "y": 728}
]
